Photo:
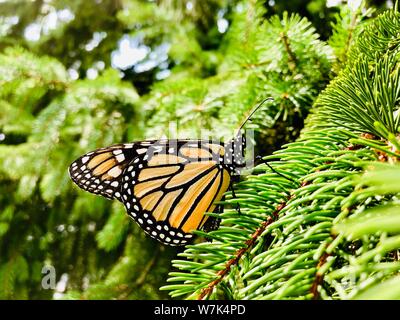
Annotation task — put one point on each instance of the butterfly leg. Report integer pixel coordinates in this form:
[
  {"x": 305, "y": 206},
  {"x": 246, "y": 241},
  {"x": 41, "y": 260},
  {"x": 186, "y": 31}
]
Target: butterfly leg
[
  {"x": 213, "y": 223},
  {"x": 234, "y": 195}
]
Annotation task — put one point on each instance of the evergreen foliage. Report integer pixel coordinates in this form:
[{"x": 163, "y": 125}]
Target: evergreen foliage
[{"x": 330, "y": 231}]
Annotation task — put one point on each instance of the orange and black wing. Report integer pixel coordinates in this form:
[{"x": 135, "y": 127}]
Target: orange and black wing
[
  {"x": 173, "y": 188},
  {"x": 100, "y": 171},
  {"x": 166, "y": 186}
]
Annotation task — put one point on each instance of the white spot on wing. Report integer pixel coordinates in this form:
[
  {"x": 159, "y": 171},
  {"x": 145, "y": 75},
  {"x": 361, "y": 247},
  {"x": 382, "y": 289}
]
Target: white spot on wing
[
  {"x": 115, "y": 184},
  {"x": 120, "y": 158},
  {"x": 85, "y": 159},
  {"x": 141, "y": 151},
  {"x": 114, "y": 172}
]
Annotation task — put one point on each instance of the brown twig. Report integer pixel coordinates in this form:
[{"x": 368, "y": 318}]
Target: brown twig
[
  {"x": 318, "y": 277},
  {"x": 239, "y": 253},
  {"x": 140, "y": 280},
  {"x": 292, "y": 58}
]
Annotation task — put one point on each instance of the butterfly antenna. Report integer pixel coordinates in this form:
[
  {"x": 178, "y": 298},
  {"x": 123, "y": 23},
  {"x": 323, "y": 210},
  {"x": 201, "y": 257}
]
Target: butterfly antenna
[{"x": 252, "y": 112}]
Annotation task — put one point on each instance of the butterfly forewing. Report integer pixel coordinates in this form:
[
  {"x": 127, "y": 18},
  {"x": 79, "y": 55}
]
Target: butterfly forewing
[{"x": 100, "y": 171}]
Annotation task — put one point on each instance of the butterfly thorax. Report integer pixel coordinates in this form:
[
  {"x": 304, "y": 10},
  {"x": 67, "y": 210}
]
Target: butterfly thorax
[{"x": 235, "y": 154}]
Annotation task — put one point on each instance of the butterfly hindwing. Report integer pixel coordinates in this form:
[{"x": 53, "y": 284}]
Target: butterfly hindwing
[{"x": 168, "y": 190}]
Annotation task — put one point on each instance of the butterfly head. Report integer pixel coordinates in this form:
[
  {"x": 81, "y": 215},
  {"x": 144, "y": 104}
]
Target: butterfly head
[{"x": 236, "y": 148}]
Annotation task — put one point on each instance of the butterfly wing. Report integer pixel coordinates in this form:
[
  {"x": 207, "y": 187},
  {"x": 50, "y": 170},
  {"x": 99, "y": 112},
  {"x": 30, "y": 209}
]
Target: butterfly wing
[
  {"x": 168, "y": 191},
  {"x": 166, "y": 186},
  {"x": 100, "y": 171}
]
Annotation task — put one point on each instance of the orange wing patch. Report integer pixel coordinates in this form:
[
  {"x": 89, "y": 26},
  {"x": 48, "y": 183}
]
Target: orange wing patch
[
  {"x": 187, "y": 213},
  {"x": 144, "y": 187},
  {"x": 163, "y": 159},
  {"x": 191, "y": 170},
  {"x": 207, "y": 203},
  {"x": 193, "y": 222},
  {"x": 148, "y": 202},
  {"x": 99, "y": 159},
  {"x": 190, "y": 198},
  {"x": 196, "y": 153},
  {"x": 149, "y": 173},
  {"x": 104, "y": 166},
  {"x": 163, "y": 208}
]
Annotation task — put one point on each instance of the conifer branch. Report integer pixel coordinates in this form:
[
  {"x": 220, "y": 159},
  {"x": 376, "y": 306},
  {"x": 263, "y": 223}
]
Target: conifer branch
[
  {"x": 292, "y": 58},
  {"x": 141, "y": 279},
  {"x": 239, "y": 253},
  {"x": 337, "y": 236}
]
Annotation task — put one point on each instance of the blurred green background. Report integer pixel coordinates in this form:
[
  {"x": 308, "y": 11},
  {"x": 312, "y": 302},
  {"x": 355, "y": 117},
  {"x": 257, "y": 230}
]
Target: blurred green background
[{"x": 76, "y": 75}]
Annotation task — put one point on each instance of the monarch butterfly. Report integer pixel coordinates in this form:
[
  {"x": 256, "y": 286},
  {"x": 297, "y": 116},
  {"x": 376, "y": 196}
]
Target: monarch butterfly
[{"x": 166, "y": 186}]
